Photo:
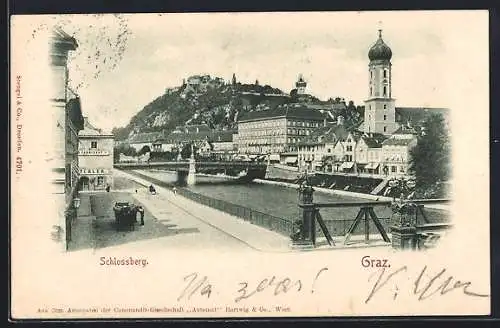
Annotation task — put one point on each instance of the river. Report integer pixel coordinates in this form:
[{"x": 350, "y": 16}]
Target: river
[{"x": 278, "y": 200}]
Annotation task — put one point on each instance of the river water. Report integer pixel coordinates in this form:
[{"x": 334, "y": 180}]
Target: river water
[{"x": 277, "y": 200}]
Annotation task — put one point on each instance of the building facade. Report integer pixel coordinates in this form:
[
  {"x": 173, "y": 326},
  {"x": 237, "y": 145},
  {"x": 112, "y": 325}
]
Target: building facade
[
  {"x": 276, "y": 131},
  {"x": 317, "y": 152},
  {"x": 395, "y": 154},
  {"x": 95, "y": 157},
  {"x": 67, "y": 121}
]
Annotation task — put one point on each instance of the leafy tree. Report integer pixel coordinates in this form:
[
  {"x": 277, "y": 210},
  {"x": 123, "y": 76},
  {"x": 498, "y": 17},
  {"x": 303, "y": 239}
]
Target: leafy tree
[
  {"x": 130, "y": 151},
  {"x": 430, "y": 158},
  {"x": 144, "y": 150},
  {"x": 186, "y": 150}
]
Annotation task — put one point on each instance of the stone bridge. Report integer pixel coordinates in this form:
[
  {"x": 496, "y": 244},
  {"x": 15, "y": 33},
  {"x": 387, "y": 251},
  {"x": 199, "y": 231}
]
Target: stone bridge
[{"x": 245, "y": 171}]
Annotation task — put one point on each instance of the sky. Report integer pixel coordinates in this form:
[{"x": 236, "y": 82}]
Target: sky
[{"x": 137, "y": 56}]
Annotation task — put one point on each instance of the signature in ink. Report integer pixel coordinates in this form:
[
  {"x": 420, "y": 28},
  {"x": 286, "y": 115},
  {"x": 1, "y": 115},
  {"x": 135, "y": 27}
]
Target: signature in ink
[
  {"x": 280, "y": 286},
  {"x": 436, "y": 285},
  {"x": 195, "y": 285}
]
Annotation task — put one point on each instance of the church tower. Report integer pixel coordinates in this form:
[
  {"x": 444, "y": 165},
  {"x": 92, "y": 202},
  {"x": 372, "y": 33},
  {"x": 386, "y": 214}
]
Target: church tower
[
  {"x": 380, "y": 110},
  {"x": 301, "y": 85}
]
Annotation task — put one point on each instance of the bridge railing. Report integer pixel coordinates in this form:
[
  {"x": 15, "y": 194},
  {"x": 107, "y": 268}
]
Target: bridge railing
[
  {"x": 403, "y": 224},
  {"x": 271, "y": 222}
]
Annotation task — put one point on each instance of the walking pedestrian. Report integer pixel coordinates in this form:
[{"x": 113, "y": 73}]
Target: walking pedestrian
[
  {"x": 140, "y": 209},
  {"x": 174, "y": 189},
  {"x": 152, "y": 190}
]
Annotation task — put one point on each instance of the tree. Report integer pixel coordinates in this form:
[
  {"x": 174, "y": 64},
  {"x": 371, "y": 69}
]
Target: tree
[
  {"x": 129, "y": 151},
  {"x": 430, "y": 158},
  {"x": 145, "y": 149},
  {"x": 186, "y": 150}
]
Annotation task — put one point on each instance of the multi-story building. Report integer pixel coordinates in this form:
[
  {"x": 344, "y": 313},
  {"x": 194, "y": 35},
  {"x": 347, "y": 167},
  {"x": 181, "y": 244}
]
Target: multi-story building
[
  {"x": 278, "y": 130},
  {"x": 395, "y": 155},
  {"x": 316, "y": 152},
  {"x": 67, "y": 120},
  {"x": 369, "y": 153},
  {"x": 345, "y": 153},
  {"x": 95, "y": 157}
]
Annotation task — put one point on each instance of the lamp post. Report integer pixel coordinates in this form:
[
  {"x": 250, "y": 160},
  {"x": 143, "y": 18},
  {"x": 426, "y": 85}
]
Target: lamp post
[
  {"x": 70, "y": 215},
  {"x": 304, "y": 229},
  {"x": 76, "y": 202}
]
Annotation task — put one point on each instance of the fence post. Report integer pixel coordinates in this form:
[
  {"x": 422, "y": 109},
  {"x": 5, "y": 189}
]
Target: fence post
[
  {"x": 404, "y": 231},
  {"x": 307, "y": 236}
]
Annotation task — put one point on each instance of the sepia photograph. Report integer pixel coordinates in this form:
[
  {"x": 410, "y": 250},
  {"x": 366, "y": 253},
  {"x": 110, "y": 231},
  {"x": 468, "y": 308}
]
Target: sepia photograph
[{"x": 250, "y": 164}]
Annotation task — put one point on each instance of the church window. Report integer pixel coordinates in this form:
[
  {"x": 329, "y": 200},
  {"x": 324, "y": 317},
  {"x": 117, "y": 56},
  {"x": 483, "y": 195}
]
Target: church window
[
  {"x": 371, "y": 92},
  {"x": 385, "y": 91},
  {"x": 385, "y": 106},
  {"x": 385, "y": 128},
  {"x": 385, "y": 73},
  {"x": 385, "y": 117}
]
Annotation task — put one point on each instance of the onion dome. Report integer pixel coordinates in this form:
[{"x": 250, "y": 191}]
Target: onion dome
[{"x": 380, "y": 50}]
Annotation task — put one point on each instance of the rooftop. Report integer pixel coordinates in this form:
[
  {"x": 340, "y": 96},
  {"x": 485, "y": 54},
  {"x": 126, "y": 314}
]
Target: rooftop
[
  {"x": 211, "y": 135},
  {"x": 90, "y": 130},
  {"x": 374, "y": 140},
  {"x": 396, "y": 140},
  {"x": 145, "y": 137},
  {"x": 301, "y": 112},
  {"x": 324, "y": 134}
]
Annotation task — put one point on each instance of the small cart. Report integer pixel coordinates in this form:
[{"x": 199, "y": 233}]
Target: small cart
[{"x": 125, "y": 215}]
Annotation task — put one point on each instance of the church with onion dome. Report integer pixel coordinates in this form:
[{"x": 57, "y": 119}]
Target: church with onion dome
[
  {"x": 380, "y": 107},
  {"x": 381, "y": 144}
]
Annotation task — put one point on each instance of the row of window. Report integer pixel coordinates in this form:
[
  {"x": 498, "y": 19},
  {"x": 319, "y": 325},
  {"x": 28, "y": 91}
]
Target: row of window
[
  {"x": 276, "y": 123},
  {"x": 384, "y": 93},
  {"x": 270, "y": 132},
  {"x": 261, "y": 124},
  {"x": 385, "y": 73},
  {"x": 273, "y": 132},
  {"x": 304, "y": 124},
  {"x": 370, "y": 107}
]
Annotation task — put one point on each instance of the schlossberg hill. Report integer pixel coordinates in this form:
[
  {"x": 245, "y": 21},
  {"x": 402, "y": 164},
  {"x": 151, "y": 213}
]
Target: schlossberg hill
[{"x": 211, "y": 100}]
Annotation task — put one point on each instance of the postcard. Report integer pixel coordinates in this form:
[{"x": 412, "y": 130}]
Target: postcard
[{"x": 238, "y": 165}]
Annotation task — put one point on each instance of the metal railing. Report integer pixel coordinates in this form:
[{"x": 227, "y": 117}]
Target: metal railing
[
  {"x": 340, "y": 227},
  {"x": 271, "y": 222},
  {"x": 284, "y": 226}
]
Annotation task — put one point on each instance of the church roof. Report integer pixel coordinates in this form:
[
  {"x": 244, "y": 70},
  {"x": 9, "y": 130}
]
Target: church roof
[{"x": 380, "y": 50}]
